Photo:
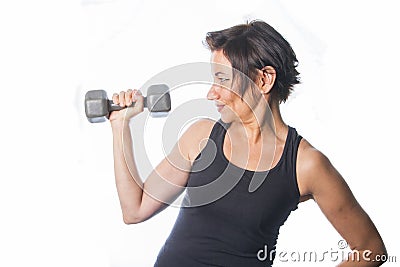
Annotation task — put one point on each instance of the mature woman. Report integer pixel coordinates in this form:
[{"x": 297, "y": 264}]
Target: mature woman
[{"x": 265, "y": 166}]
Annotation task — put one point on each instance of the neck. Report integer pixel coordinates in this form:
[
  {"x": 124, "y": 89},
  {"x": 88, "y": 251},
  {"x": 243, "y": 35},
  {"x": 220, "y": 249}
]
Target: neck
[{"x": 264, "y": 123}]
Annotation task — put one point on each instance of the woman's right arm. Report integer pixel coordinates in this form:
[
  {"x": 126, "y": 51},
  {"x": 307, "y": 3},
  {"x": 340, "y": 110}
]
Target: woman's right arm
[{"x": 140, "y": 201}]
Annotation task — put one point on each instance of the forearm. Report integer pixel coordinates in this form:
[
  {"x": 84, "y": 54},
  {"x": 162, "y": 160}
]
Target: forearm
[
  {"x": 128, "y": 182},
  {"x": 363, "y": 258}
]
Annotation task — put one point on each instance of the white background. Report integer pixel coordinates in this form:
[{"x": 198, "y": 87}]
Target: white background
[{"x": 58, "y": 202}]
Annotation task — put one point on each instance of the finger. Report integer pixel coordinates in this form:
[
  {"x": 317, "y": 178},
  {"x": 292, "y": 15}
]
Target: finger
[
  {"x": 122, "y": 99},
  {"x": 128, "y": 97},
  {"x": 136, "y": 93},
  {"x": 115, "y": 98},
  {"x": 139, "y": 100},
  {"x": 133, "y": 95}
]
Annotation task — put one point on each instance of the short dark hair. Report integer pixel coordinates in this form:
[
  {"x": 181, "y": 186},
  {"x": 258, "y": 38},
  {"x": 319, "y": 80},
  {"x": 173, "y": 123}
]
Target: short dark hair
[{"x": 254, "y": 45}]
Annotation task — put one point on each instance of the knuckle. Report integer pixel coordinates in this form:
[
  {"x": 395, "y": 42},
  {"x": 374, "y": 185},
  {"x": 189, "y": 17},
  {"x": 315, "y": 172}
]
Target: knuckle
[{"x": 115, "y": 97}]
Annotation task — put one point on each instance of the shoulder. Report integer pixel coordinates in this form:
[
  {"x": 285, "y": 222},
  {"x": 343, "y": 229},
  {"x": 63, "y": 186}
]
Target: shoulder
[
  {"x": 199, "y": 129},
  {"x": 313, "y": 167},
  {"x": 310, "y": 157},
  {"x": 194, "y": 138}
]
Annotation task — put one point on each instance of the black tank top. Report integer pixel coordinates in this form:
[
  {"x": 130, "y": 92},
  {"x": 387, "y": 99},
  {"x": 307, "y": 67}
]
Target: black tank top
[{"x": 231, "y": 216}]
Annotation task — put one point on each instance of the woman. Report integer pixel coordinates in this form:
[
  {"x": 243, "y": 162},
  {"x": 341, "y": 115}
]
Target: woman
[{"x": 255, "y": 71}]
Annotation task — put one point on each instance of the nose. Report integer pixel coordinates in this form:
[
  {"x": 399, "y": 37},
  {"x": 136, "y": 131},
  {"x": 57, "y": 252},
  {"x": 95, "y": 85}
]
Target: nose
[{"x": 212, "y": 93}]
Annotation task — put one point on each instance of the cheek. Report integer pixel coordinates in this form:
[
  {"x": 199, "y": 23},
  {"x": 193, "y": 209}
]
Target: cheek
[
  {"x": 229, "y": 96},
  {"x": 224, "y": 95}
]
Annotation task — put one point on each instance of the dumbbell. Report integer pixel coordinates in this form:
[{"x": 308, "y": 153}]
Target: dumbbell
[{"x": 98, "y": 107}]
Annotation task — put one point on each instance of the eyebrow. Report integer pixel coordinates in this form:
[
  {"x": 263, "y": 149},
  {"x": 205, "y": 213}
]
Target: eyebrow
[{"x": 219, "y": 73}]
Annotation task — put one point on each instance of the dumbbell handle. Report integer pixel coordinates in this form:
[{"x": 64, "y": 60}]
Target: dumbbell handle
[
  {"x": 98, "y": 107},
  {"x": 115, "y": 107}
]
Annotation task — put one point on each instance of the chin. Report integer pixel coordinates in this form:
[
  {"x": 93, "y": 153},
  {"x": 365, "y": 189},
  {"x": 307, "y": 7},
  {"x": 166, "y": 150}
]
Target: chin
[{"x": 226, "y": 119}]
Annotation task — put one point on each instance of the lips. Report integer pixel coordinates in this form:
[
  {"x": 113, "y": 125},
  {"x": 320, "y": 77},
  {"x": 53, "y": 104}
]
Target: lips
[{"x": 219, "y": 107}]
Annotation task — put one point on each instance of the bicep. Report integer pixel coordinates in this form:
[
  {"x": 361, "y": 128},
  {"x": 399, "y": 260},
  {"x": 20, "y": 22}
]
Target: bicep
[
  {"x": 168, "y": 180},
  {"x": 165, "y": 183}
]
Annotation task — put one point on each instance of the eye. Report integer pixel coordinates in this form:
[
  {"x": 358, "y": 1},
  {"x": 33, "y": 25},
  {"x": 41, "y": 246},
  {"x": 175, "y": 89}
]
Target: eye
[{"x": 222, "y": 80}]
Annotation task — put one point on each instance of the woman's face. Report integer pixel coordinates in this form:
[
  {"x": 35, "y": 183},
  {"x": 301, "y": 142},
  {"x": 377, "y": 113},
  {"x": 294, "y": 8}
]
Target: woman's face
[{"x": 227, "y": 100}]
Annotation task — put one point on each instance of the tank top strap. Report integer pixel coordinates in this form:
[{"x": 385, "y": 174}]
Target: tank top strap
[
  {"x": 291, "y": 156},
  {"x": 218, "y": 131}
]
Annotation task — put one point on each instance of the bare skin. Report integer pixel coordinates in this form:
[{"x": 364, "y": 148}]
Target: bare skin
[{"x": 261, "y": 137}]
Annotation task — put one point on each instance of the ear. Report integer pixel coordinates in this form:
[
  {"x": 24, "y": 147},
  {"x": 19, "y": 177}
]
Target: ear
[{"x": 267, "y": 79}]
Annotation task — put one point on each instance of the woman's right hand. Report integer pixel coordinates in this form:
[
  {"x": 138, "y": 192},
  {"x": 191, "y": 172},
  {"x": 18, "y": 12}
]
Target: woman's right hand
[{"x": 125, "y": 99}]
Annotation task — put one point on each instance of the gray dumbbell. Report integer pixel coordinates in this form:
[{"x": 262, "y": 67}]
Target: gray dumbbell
[{"x": 98, "y": 107}]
